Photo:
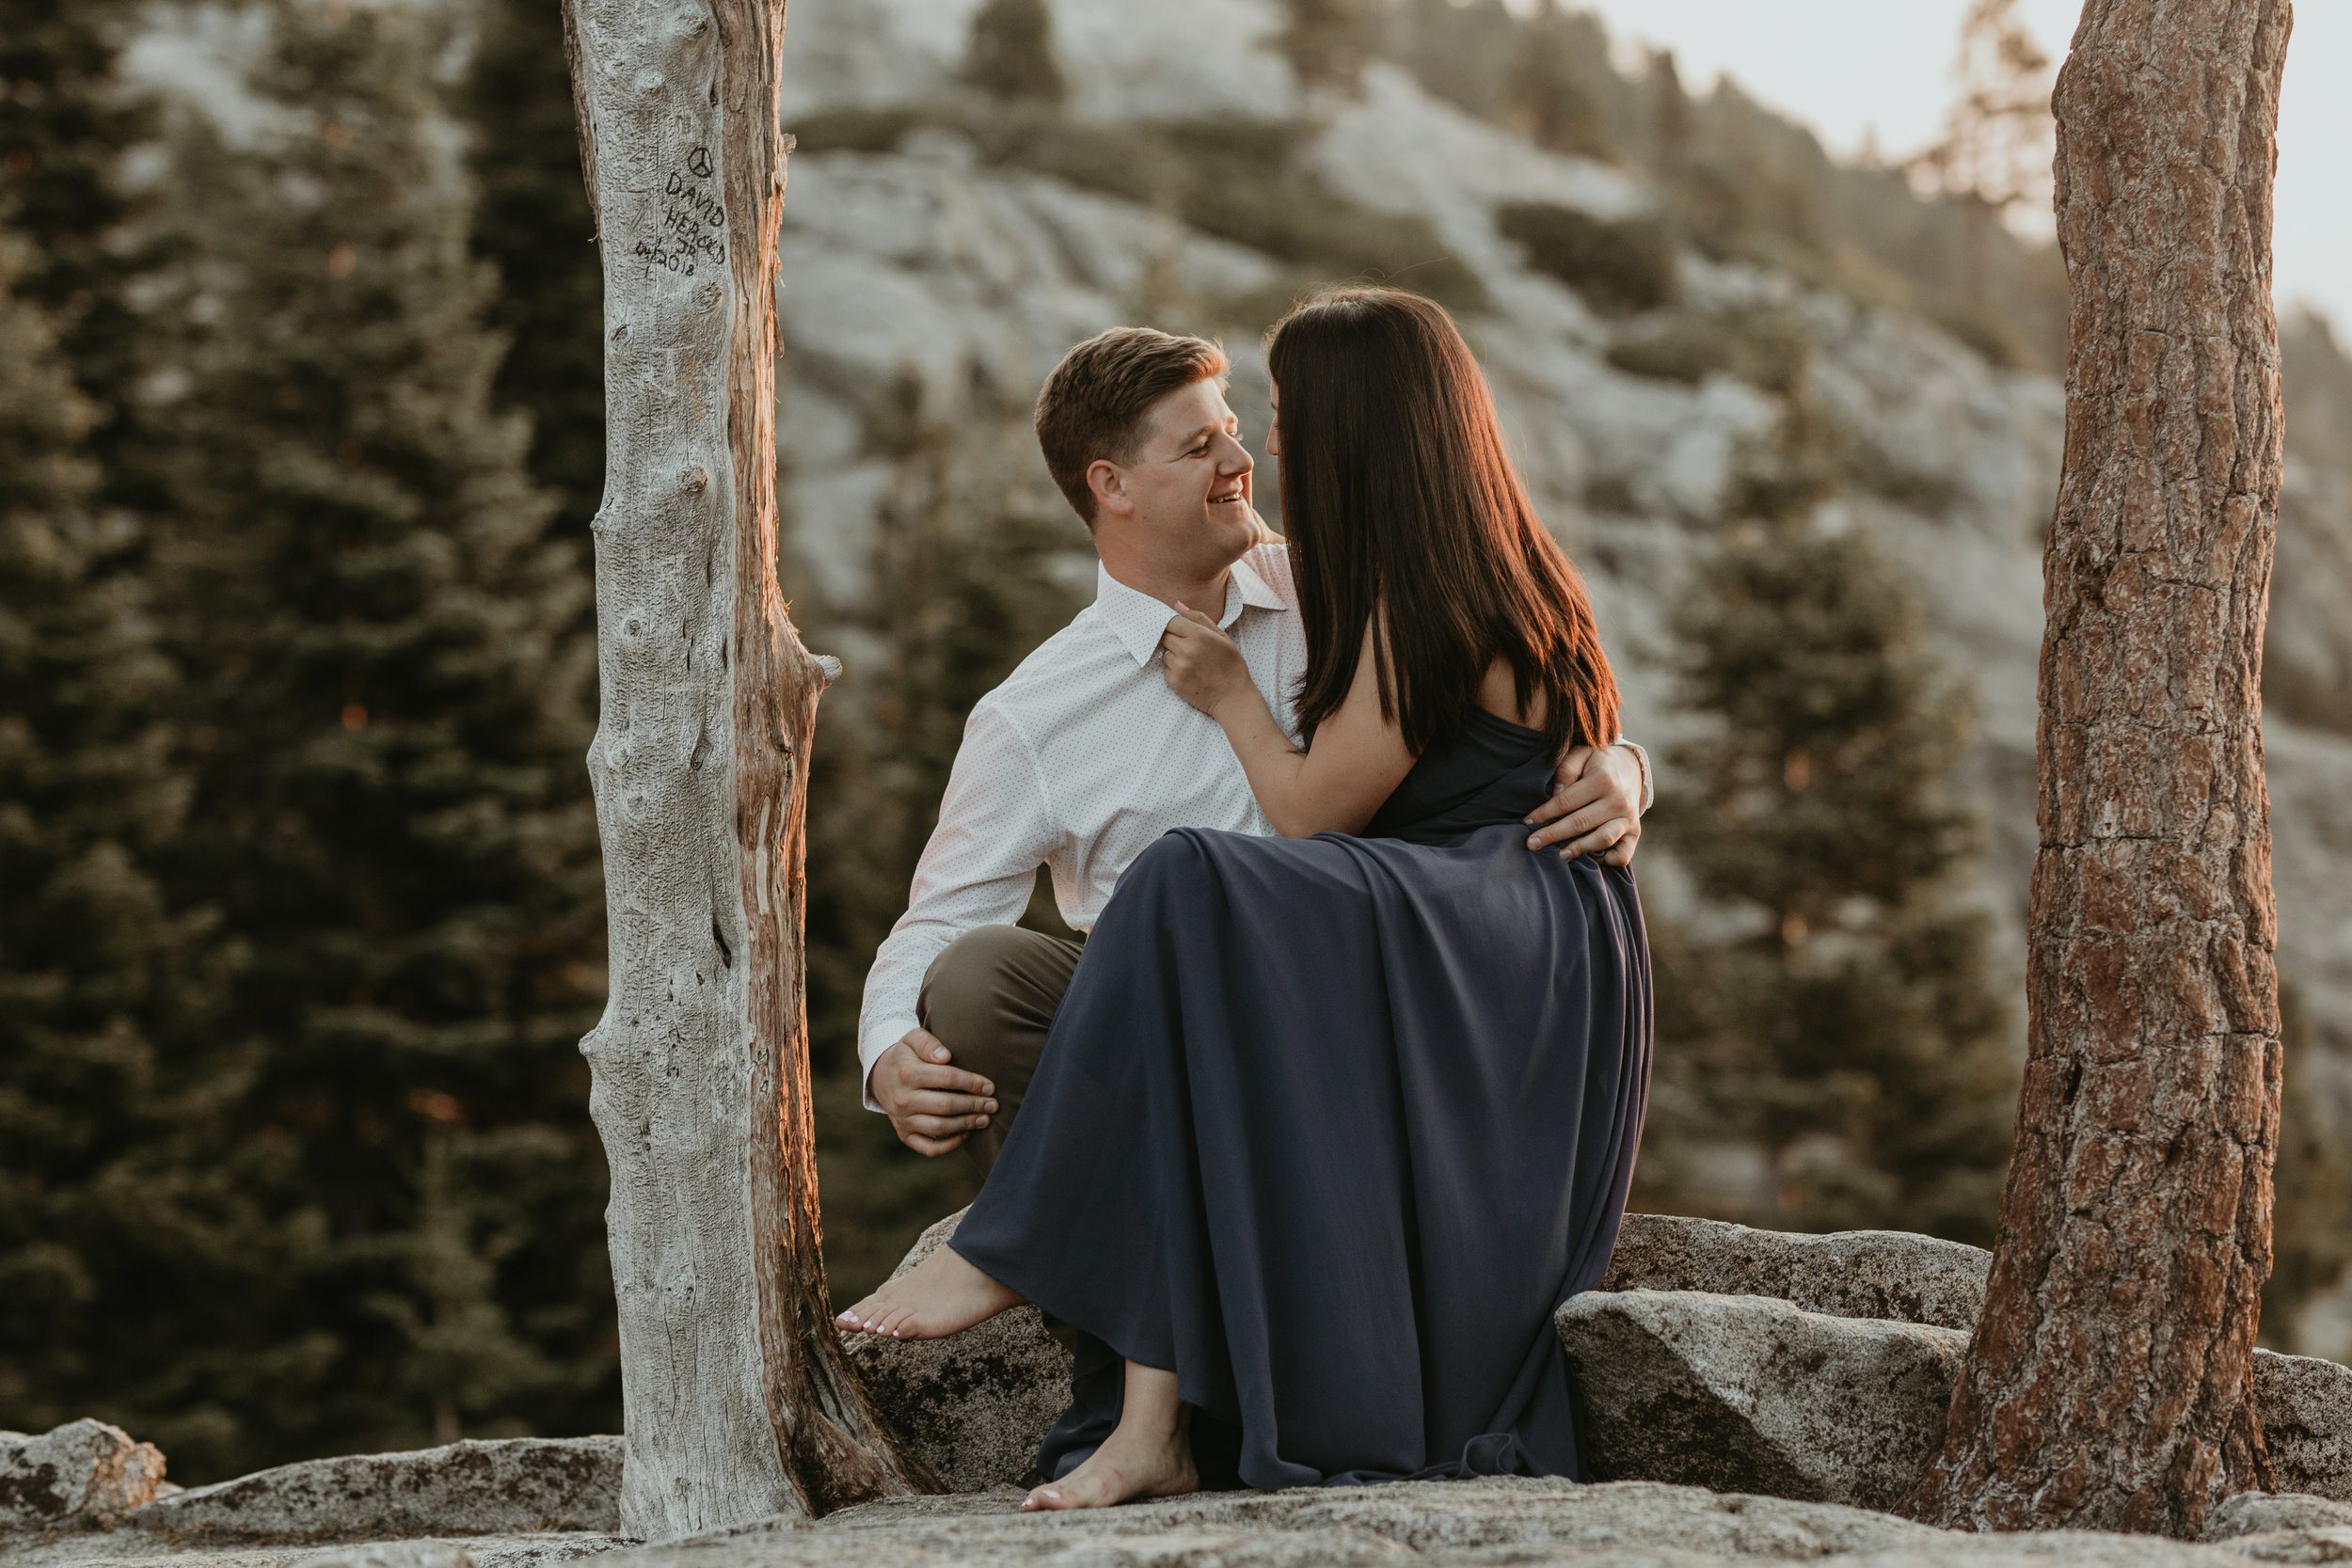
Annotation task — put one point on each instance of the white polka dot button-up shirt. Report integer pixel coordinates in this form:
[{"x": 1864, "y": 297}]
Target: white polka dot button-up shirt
[{"x": 1077, "y": 763}]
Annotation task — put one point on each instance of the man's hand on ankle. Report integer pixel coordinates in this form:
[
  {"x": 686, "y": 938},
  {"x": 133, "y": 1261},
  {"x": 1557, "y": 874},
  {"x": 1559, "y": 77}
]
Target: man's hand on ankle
[
  {"x": 932, "y": 1106},
  {"x": 1595, "y": 808}
]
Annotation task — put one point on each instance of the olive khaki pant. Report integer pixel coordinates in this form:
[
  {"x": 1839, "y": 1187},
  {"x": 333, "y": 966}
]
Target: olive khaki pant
[{"x": 990, "y": 998}]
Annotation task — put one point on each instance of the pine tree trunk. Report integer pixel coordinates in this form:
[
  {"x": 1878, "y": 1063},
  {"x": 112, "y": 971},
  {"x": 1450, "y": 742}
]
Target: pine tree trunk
[
  {"x": 2107, "y": 1385},
  {"x": 738, "y": 1403}
]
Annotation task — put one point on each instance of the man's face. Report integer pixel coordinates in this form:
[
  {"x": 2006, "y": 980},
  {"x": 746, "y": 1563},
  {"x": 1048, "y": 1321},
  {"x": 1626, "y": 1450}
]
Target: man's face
[{"x": 1183, "y": 505}]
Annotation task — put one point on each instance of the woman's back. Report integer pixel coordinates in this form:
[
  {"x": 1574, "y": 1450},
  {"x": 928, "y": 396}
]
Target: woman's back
[{"x": 1490, "y": 771}]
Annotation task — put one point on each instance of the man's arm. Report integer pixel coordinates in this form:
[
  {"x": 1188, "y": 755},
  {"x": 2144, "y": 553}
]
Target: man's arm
[
  {"x": 994, "y": 829},
  {"x": 1597, "y": 804}
]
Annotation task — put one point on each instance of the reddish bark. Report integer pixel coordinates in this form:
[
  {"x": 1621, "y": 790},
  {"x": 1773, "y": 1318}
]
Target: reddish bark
[{"x": 2107, "y": 1385}]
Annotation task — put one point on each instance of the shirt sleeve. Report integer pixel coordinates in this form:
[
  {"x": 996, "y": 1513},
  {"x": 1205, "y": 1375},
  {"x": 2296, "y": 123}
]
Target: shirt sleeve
[
  {"x": 1649, "y": 780},
  {"x": 995, "y": 829}
]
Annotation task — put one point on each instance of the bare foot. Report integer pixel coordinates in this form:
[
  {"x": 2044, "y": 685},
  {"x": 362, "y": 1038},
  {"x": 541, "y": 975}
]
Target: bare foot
[
  {"x": 941, "y": 1296},
  {"x": 1148, "y": 1455}
]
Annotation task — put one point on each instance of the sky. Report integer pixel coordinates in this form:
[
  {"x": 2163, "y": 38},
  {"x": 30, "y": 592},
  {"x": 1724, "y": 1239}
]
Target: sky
[{"x": 1851, "y": 67}]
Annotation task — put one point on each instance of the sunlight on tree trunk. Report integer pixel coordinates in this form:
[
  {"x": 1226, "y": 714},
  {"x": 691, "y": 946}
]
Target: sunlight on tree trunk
[
  {"x": 2107, "y": 1382},
  {"x": 738, "y": 1403}
]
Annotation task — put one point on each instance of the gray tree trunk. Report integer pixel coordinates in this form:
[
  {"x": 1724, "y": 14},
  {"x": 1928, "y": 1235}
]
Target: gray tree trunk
[
  {"x": 2107, "y": 1384},
  {"x": 739, "y": 1401}
]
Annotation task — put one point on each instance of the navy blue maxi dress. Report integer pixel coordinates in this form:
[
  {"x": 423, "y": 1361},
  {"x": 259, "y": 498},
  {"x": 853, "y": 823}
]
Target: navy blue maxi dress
[{"x": 1329, "y": 1127}]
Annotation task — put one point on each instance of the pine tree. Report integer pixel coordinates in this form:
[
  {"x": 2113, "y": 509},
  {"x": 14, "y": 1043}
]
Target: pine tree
[
  {"x": 1844, "y": 1023},
  {"x": 531, "y": 222},
  {"x": 92, "y": 246},
  {"x": 1329, "y": 42},
  {"x": 125, "y": 1213},
  {"x": 1557, "y": 90},
  {"x": 134, "y": 1231},
  {"x": 1010, "y": 53},
  {"x": 391, "y": 808},
  {"x": 1466, "y": 52}
]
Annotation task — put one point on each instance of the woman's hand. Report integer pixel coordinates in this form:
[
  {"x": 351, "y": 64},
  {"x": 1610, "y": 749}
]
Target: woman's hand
[{"x": 1204, "y": 666}]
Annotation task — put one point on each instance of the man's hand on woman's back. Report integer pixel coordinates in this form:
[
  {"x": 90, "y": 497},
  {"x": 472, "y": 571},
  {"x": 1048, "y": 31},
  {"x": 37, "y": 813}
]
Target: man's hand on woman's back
[
  {"x": 1595, "y": 807},
  {"x": 932, "y": 1106}
]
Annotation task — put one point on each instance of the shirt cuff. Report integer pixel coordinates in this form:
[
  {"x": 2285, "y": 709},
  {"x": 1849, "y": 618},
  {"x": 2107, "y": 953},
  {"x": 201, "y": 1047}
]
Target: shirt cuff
[
  {"x": 1650, "y": 785},
  {"x": 881, "y": 1035}
]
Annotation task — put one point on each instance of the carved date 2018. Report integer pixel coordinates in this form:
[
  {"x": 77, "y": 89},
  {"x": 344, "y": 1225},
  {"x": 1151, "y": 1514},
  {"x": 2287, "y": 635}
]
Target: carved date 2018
[{"x": 694, "y": 221}]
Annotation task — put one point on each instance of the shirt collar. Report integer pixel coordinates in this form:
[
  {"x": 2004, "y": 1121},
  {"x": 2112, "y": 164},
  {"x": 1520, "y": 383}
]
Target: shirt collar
[{"x": 1137, "y": 619}]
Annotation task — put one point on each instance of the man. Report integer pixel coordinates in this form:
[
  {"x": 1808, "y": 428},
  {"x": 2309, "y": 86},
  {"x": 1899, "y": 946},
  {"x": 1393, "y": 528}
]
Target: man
[{"x": 1084, "y": 756}]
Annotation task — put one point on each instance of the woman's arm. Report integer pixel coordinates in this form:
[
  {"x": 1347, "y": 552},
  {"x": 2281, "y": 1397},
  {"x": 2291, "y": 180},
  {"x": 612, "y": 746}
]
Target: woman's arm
[{"x": 1359, "y": 758}]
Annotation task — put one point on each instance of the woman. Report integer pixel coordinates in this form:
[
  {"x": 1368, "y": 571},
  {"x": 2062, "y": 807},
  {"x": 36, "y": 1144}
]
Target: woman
[{"x": 1330, "y": 1124}]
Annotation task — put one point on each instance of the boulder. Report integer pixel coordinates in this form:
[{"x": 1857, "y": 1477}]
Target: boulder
[
  {"x": 1753, "y": 1394},
  {"x": 1744, "y": 1393},
  {"x": 1848, "y": 1273},
  {"x": 2306, "y": 1409},
  {"x": 84, "y": 1471},
  {"x": 471, "y": 1488},
  {"x": 2263, "y": 1513},
  {"x": 1754, "y": 1415},
  {"x": 974, "y": 1406}
]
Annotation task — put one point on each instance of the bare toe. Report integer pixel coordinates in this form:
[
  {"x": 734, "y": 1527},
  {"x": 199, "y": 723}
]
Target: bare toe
[
  {"x": 1073, "y": 1491},
  {"x": 941, "y": 1295}
]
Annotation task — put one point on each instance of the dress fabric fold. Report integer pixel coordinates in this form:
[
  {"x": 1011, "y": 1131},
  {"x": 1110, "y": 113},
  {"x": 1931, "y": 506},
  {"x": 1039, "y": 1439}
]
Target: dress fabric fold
[{"x": 1331, "y": 1127}]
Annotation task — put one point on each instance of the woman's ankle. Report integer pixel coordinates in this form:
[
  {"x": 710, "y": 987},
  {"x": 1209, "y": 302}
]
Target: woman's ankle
[
  {"x": 1147, "y": 1455},
  {"x": 1154, "y": 1413}
]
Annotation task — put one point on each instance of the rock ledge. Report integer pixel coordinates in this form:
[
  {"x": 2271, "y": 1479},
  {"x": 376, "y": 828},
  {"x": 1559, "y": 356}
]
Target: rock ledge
[{"x": 503, "y": 1487}]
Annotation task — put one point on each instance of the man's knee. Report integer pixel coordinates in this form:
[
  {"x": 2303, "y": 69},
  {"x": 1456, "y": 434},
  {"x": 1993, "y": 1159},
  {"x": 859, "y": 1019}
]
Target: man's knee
[
  {"x": 991, "y": 996},
  {"x": 962, "y": 993}
]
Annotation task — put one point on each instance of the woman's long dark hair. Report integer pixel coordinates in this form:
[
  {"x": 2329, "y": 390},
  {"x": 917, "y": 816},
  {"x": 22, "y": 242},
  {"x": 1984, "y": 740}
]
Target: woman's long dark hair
[{"x": 1397, "y": 493}]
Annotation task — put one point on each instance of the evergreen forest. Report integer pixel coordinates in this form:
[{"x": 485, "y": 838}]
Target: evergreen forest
[{"x": 301, "y": 917}]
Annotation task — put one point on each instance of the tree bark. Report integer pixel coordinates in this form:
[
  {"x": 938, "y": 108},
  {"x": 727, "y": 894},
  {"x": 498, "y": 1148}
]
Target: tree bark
[
  {"x": 738, "y": 1403},
  {"x": 2107, "y": 1384}
]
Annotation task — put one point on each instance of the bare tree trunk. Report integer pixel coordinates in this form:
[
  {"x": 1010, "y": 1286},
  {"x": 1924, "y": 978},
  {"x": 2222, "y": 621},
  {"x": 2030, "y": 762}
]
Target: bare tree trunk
[
  {"x": 738, "y": 1403},
  {"x": 2107, "y": 1385}
]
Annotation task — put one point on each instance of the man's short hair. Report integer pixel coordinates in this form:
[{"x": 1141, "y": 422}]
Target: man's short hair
[{"x": 1093, "y": 404}]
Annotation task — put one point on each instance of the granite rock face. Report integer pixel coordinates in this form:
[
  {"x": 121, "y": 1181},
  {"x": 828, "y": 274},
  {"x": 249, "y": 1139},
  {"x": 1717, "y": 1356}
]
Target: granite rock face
[
  {"x": 973, "y": 1406},
  {"x": 1891, "y": 1275},
  {"x": 2266, "y": 1512},
  {"x": 84, "y": 1471},
  {"x": 1464, "y": 1523},
  {"x": 2306, "y": 1409},
  {"x": 1475, "y": 1523},
  {"x": 471, "y": 1488},
  {"x": 1750, "y": 1394}
]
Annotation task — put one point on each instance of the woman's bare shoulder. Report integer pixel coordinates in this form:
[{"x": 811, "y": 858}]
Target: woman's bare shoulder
[{"x": 1499, "y": 695}]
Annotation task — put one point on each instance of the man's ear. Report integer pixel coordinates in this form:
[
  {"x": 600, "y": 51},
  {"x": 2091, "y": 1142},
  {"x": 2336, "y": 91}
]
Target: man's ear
[{"x": 1108, "y": 482}]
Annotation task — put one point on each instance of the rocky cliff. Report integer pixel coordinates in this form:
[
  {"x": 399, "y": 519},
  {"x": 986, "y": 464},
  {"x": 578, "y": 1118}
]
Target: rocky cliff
[{"x": 942, "y": 251}]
